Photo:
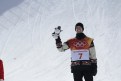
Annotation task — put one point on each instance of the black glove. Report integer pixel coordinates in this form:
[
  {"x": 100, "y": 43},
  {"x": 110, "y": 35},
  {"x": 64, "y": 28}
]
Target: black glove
[
  {"x": 94, "y": 68},
  {"x": 58, "y": 42}
]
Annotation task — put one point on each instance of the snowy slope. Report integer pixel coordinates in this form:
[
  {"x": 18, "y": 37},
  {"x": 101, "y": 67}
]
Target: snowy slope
[{"x": 28, "y": 49}]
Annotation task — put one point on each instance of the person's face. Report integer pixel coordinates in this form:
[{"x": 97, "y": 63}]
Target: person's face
[{"x": 79, "y": 29}]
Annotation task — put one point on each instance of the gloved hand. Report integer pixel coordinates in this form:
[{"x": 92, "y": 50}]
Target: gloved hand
[
  {"x": 94, "y": 68},
  {"x": 1, "y": 80},
  {"x": 56, "y": 33}
]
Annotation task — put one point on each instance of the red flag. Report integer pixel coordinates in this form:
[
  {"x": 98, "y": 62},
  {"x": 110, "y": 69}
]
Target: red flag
[{"x": 1, "y": 70}]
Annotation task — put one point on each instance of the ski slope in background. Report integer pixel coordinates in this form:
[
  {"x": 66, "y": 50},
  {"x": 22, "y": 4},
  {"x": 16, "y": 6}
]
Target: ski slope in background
[{"x": 28, "y": 49}]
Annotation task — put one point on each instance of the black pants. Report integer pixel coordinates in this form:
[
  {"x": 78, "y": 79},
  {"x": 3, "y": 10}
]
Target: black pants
[{"x": 78, "y": 76}]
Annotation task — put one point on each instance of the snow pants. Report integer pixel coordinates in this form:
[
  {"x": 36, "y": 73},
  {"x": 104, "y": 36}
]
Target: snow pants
[
  {"x": 78, "y": 76},
  {"x": 80, "y": 72}
]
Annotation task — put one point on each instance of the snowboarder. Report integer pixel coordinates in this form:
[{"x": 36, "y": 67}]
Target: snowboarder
[
  {"x": 83, "y": 55},
  {"x": 1, "y": 71}
]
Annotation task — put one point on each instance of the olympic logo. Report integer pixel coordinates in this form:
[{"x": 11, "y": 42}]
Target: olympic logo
[{"x": 79, "y": 44}]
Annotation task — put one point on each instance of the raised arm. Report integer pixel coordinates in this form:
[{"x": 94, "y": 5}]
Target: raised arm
[{"x": 61, "y": 47}]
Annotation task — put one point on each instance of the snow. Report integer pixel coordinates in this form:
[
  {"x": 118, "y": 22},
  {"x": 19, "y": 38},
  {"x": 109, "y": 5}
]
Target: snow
[{"x": 28, "y": 50}]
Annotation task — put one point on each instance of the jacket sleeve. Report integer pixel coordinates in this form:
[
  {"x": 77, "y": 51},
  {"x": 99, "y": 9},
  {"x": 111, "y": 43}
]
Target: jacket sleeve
[
  {"x": 92, "y": 51},
  {"x": 93, "y": 59},
  {"x": 1, "y": 70},
  {"x": 61, "y": 47}
]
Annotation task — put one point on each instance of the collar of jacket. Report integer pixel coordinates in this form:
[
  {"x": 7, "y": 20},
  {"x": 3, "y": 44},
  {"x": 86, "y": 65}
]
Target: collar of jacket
[{"x": 80, "y": 35}]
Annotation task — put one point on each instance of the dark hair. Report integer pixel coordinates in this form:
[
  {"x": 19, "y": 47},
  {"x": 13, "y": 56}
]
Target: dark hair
[{"x": 79, "y": 24}]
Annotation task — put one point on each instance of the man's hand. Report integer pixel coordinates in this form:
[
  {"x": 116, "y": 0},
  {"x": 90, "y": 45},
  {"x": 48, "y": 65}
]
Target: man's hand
[
  {"x": 55, "y": 35},
  {"x": 94, "y": 67}
]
